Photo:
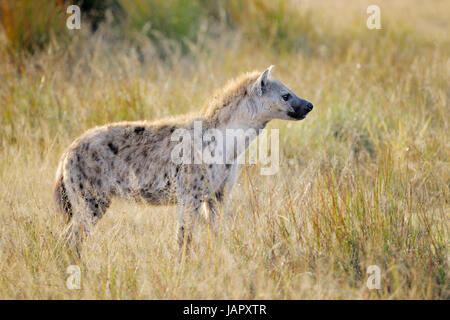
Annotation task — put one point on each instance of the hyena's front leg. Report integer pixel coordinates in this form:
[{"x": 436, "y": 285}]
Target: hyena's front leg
[
  {"x": 188, "y": 216},
  {"x": 216, "y": 203},
  {"x": 190, "y": 194},
  {"x": 214, "y": 206}
]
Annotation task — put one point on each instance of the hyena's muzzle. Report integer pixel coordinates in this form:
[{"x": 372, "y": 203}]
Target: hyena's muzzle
[{"x": 301, "y": 107}]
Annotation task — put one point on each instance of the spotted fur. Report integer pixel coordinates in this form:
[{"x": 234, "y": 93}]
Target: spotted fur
[{"x": 132, "y": 160}]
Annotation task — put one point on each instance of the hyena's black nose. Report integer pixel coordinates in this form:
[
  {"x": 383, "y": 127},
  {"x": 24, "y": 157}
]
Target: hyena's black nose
[{"x": 309, "y": 106}]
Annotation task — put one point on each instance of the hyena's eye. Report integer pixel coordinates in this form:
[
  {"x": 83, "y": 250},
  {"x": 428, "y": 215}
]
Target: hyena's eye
[{"x": 286, "y": 96}]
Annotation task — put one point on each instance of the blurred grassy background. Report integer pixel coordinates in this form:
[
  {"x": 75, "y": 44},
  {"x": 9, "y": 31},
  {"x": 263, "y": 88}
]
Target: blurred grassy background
[{"x": 364, "y": 180}]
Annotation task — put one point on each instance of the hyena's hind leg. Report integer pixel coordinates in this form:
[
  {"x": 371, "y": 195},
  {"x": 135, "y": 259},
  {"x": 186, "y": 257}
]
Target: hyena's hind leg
[
  {"x": 86, "y": 208},
  {"x": 88, "y": 211}
]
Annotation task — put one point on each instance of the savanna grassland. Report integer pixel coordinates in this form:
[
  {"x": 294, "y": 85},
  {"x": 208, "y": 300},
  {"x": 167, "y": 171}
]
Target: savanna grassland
[{"x": 363, "y": 180}]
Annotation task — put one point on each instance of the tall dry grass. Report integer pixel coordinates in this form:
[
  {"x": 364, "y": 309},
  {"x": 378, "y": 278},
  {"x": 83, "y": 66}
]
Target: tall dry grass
[{"x": 364, "y": 180}]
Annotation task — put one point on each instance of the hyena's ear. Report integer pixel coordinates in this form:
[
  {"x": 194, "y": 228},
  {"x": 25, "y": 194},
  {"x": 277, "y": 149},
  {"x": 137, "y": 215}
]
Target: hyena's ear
[{"x": 261, "y": 83}]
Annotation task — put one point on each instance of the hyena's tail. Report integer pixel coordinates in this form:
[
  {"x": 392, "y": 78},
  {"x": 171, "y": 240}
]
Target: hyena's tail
[{"x": 61, "y": 199}]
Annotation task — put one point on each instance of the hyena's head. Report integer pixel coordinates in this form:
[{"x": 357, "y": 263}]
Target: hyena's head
[{"x": 276, "y": 101}]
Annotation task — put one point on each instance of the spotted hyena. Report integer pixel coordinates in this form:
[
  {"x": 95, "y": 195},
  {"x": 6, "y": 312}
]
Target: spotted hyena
[{"x": 138, "y": 160}]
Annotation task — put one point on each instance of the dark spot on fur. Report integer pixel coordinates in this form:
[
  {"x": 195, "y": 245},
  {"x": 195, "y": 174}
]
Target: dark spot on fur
[
  {"x": 149, "y": 196},
  {"x": 85, "y": 146},
  {"x": 128, "y": 158},
  {"x": 219, "y": 195},
  {"x": 144, "y": 154},
  {"x": 228, "y": 166},
  {"x": 99, "y": 182},
  {"x": 83, "y": 174},
  {"x": 94, "y": 156},
  {"x": 139, "y": 130},
  {"x": 113, "y": 148},
  {"x": 210, "y": 166},
  {"x": 81, "y": 186}
]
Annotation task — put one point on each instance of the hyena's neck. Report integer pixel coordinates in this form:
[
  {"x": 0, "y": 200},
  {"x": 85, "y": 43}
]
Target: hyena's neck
[
  {"x": 236, "y": 137},
  {"x": 256, "y": 125},
  {"x": 238, "y": 125},
  {"x": 237, "y": 113}
]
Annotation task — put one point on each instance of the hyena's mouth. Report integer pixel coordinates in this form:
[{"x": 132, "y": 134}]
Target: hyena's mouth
[
  {"x": 298, "y": 115},
  {"x": 301, "y": 110}
]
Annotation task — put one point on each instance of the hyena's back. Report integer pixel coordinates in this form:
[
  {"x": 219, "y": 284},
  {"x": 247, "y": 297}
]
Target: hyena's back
[{"x": 129, "y": 159}]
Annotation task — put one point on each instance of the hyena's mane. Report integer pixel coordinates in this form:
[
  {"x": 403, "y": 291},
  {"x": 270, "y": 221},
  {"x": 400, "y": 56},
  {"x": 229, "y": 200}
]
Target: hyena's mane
[{"x": 226, "y": 99}]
